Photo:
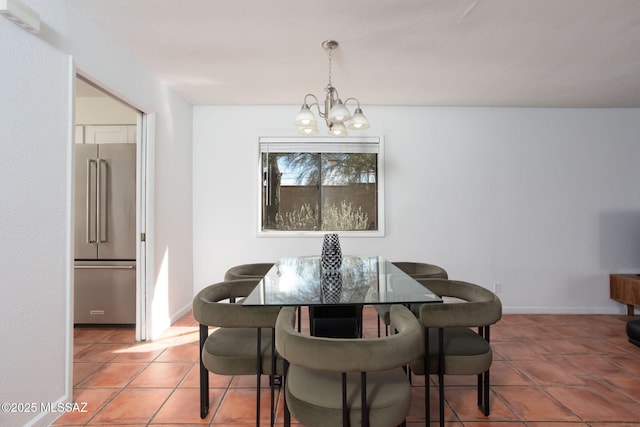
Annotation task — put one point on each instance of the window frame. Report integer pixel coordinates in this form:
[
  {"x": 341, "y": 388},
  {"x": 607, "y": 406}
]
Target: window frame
[{"x": 354, "y": 144}]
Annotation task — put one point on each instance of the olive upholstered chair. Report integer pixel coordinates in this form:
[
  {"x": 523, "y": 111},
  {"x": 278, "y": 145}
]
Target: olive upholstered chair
[
  {"x": 417, "y": 270},
  {"x": 241, "y": 344},
  {"x": 326, "y": 377},
  {"x": 247, "y": 271},
  {"x": 453, "y": 347}
]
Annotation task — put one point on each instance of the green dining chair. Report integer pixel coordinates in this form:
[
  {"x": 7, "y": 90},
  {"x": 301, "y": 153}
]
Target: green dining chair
[
  {"x": 348, "y": 381},
  {"x": 241, "y": 344},
  {"x": 452, "y": 346}
]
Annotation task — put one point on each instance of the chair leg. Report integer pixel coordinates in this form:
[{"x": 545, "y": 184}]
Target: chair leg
[
  {"x": 486, "y": 393},
  {"x": 441, "y": 374},
  {"x": 363, "y": 394},
  {"x": 426, "y": 367},
  {"x": 345, "y": 410},
  {"x": 487, "y": 336},
  {"x": 258, "y": 372},
  {"x": 204, "y": 375},
  {"x": 287, "y": 414},
  {"x": 273, "y": 375}
]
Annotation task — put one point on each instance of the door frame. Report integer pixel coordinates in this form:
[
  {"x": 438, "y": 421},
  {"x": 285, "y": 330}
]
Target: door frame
[{"x": 145, "y": 136}]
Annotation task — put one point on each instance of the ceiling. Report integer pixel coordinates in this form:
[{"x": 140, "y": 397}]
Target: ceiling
[{"x": 523, "y": 53}]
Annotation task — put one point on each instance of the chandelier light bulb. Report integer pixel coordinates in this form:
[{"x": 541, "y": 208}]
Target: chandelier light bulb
[
  {"x": 308, "y": 131},
  {"x": 338, "y": 129},
  {"x": 358, "y": 121},
  {"x": 305, "y": 117},
  {"x": 339, "y": 113}
]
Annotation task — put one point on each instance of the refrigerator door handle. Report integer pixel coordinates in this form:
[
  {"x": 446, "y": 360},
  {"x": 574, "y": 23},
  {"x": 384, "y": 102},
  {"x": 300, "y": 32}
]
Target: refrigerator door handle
[
  {"x": 88, "y": 207},
  {"x": 106, "y": 267},
  {"x": 100, "y": 238}
]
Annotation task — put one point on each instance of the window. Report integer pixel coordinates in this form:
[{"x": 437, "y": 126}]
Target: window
[{"x": 315, "y": 185}]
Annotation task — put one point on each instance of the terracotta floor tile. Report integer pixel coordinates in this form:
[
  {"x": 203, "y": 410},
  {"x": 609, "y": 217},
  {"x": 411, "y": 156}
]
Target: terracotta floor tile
[
  {"x": 630, "y": 363},
  {"x": 94, "y": 398},
  {"x": 417, "y": 412},
  {"x": 120, "y": 335},
  {"x": 248, "y": 381},
  {"x": 550, "y": 370},
  {"x": 181, "y": 334},
  {"x": 595, "y": 364},
  {"x": 561, "y": 346},
  {"x": 503, "y": 373},
  {"x": 78, "y": 347},
  {"x": 239, "y": 407},
  {"x": 181, "y": 353},
  {"x": 98, "y": 352},
  {"x": 630, "y": 386},
  {"x": 163, "y": 375},
  {"x": 82, "y": 370},
  {"x": 113, "y": 375},
  {"x": 183, "y": 407},
  {"x": 132, "y": 406},
  {"x": 503, "y": 424},
  {"x": 592, "y": 406},
  {"x": 119, "y": 425},
  {"x": 536, "y": 332},
  {"x": 90, "y": 335},
  {"x": 516, "y": 350},
  {"x": 605, "y": 346},
  {"x": 137, "y": 353},
  {"x": 594, "y": 329},
  {"x": 555, "y": 424},
  {"x": 191, "y": 425},
  {"x": 532, "y": 404},
  {"x": 192, "y": 379},
  {"x": 614, "y": 394},
  {"x": 464, "y": 402}
]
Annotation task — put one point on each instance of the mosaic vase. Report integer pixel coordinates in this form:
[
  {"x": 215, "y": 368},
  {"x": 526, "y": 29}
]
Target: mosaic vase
[
  {"x": 331, "y": 258},
  {"x": 331, "y": 287}
]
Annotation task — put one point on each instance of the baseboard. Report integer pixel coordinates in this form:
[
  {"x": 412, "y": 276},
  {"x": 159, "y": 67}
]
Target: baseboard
[
  {"x": 564, "y": 310},
  {"x": 180, "y": 313}
]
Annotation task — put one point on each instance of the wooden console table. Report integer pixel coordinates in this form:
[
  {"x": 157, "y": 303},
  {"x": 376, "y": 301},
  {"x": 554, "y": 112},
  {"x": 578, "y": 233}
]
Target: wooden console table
[{"x": 625, "y": 288}]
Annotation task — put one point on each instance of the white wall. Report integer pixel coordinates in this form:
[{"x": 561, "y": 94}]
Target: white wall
[
  {"x": 36, "y": 257},
  {"x": 103, "y": 111},
  {"x": 34, "y": 216},
  {"x": 543, "y": 201}
]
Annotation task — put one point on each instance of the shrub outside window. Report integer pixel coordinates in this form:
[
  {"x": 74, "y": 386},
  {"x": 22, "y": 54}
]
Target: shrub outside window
[{"x": 316, "y": 185}]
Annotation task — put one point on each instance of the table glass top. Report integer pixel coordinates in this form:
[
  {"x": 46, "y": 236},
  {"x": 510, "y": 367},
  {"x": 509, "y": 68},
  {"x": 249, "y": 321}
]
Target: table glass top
[{"x": 301, "y": 281}]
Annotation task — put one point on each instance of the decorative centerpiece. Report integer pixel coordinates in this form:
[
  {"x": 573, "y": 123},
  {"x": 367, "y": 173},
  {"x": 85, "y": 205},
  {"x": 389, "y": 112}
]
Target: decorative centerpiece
[
  {"x": 331, "y": 258},
  {"x": 331, "y": 287}
]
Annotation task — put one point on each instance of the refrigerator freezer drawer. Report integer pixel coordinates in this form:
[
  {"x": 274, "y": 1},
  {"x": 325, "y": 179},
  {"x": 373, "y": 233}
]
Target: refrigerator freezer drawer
[{"x": 105, "y": 292}]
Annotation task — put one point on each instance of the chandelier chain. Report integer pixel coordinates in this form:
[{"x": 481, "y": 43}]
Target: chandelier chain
[{"x": 329, "y": 66}]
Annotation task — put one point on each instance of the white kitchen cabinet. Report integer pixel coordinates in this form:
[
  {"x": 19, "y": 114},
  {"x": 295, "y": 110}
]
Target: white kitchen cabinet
[{"x": 105, "y": 134}]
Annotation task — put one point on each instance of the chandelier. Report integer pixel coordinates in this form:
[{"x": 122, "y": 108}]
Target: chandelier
[{"x": 335, "y": 112}]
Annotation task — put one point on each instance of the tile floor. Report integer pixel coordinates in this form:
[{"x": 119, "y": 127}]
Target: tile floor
[{"x": 551, "y": 370}]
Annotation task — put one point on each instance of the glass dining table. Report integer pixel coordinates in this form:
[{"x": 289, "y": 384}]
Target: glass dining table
[{"x": 336, "y": 297}]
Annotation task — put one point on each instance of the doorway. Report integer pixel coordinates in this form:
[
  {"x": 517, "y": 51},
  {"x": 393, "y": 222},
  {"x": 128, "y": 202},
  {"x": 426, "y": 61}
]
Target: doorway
[{"x": 110, "y": 210}]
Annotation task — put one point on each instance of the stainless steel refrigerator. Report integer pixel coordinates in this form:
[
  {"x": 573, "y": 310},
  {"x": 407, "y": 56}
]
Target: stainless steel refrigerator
[{"x": 105, "y": 234}]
